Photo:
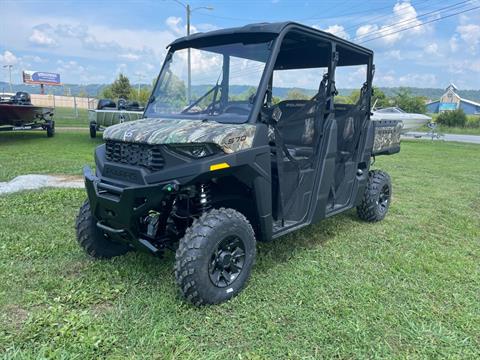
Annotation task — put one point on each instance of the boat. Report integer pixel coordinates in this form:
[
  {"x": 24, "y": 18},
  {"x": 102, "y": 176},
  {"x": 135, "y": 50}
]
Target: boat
[
  {"x": 411, "y": 121},
  {"x": 18, "y": 113},
  {"x": 109, "y": 113}
]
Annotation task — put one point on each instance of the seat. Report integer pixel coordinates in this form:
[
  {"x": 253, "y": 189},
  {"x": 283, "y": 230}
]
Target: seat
[{"x": 297, "y": 131}]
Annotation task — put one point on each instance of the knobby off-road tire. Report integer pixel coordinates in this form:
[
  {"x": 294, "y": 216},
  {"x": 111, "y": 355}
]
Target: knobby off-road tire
[
  {"x": 377, "y": 197},
  {"x": 50, "y": 129},
  {"x": 209, "y": 265},
  {"x": 93, "y": 240}
]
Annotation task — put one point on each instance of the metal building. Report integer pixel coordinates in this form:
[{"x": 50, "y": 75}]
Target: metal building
[{"x": 450, "y": 100}]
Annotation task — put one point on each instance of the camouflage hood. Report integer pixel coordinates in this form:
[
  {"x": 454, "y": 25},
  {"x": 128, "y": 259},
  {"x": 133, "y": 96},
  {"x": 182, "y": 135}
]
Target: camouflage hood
[{"x": 230, "y": 137}]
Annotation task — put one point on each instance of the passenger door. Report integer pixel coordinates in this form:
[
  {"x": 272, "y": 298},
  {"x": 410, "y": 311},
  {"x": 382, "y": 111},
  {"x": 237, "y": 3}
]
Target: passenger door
[{"x": 294, "y": 173}]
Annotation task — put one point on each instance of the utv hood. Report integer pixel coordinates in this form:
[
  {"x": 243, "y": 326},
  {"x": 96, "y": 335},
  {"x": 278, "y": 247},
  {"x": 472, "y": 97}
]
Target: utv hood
[{"x": 153, "y": 131}]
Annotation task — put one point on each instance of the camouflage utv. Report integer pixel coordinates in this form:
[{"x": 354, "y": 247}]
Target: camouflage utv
[{"x": 211, "y": 170}]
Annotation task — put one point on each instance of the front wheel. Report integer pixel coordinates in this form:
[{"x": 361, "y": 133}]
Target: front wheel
[
  {"x": 377, "y": 197},
  {"x": 215, "y": 257},
  {"x": 95, "y": 242}
]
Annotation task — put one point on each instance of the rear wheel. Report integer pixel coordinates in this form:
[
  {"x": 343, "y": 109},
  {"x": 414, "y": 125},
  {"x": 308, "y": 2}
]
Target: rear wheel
[
  {"x": 50, "y": 128},
  {"x": 95, "y": 242},
  {"x": 215, "y": 257},
  {"x": 377, "y": 197}
]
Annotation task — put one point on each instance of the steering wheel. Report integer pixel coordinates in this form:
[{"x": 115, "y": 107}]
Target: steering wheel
[{"x": 236, "y": 109}]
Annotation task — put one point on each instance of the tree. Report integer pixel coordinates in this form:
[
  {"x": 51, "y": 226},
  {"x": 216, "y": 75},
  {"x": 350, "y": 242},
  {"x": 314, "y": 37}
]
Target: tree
[
  {"x": 82, "y": 93},
  {"x": 121, "y": 87},
  {"x": 244, "y": 96},
  {"x": 142, "y": 96},
  {"x": 379, "y": 98},
  {"x": 353, "y": 97},
  {"x": 409, "y": 103},
  {"x": 106, "y": 92},
  {"x": 296, "y": 94}
]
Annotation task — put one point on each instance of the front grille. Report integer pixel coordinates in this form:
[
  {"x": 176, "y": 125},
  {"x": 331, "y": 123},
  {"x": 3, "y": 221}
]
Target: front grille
[{"x": 148, "y": 156}]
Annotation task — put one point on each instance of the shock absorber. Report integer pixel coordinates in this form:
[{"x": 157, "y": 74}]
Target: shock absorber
[{"x": 203, "y": 199}]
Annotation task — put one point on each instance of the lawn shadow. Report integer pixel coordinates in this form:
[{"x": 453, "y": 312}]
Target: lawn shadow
[{"x": 281, "y": 250}]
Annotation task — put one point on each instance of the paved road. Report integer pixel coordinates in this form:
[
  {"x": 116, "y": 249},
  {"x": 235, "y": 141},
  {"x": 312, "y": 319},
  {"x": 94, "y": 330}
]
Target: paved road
[{"x": 472, "y": 139}]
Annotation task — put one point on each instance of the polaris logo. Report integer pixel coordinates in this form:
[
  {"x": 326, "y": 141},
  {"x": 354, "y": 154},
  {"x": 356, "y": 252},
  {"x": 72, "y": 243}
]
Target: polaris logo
[{"x": 128, "y": 135}]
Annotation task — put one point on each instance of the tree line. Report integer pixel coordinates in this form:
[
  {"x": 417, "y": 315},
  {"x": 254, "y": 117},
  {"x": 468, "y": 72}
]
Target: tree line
[{"x": 402, "y": 98}]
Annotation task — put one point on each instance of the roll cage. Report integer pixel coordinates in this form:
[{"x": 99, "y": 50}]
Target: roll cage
[{"x": 293, "y": 46}]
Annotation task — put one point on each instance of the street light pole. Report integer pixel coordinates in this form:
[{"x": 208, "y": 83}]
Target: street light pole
[
  {"x": 140, "y": 77},
  {"x": 189, "y": 60},
  {"x": 9, "y": 75}
]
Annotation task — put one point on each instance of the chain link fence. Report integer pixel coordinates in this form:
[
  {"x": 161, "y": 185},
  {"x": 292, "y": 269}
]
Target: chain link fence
[{"x": 69, "y": 110}]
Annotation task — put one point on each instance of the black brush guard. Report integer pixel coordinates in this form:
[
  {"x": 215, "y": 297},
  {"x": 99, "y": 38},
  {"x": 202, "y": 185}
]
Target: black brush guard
[{"x": 118, "y": 209}]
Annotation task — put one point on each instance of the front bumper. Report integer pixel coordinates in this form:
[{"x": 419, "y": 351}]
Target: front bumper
[{"x": 118, "y": 209}]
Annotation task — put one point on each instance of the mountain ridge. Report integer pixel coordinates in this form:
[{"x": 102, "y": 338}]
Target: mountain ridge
[{"x": 92, "y": 90}]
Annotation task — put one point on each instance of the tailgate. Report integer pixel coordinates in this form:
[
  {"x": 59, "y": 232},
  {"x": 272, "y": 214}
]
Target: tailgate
[{"x": 387, "y": 137}]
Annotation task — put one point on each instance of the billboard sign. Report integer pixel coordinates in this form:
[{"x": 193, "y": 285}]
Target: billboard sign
[{"x": 40, "y": 77}]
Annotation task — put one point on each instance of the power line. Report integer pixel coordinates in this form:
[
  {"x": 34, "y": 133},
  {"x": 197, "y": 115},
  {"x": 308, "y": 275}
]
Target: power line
[
  {"x": 422, "y": 24},
  {"x": 302, "y": 19},
  {"x": 412, "y": 19},
  {"x": 383, "y": 16}
]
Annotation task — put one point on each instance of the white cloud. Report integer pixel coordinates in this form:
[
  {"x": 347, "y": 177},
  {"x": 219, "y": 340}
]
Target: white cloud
[
  {"x": 129, "y": 57},
  {"x": 365, "y": 29},
  {"x": 121, "y": 68},
  {"x": 453, "y": 43},
  {"x": 337, "y": 30},
  {"x": 418, "y": 80},
  {"x": 174, "y": 24},
  {"x": 392, "y": 79},
  {"x": 8, "y": 58},
  {"x": 404, "y": 23},
  {"x": 41, "y": 38},
  {"x": 394, "y": 54},
  {"x": 470, "y": 34},
  {"x": 466, "y": 66},
  {"x": 432, "y": 49},
  {"x": 149, "y": 66}
]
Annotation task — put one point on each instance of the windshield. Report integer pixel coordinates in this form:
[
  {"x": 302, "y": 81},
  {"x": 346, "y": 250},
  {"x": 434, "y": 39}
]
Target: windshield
[
  {"x": 391, "y": 110},
  {"x": 224, "y": 82}
]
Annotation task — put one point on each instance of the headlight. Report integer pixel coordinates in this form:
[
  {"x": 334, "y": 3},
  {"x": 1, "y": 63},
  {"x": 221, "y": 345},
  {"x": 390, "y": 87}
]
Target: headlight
[{"x": 195, "y": 151}]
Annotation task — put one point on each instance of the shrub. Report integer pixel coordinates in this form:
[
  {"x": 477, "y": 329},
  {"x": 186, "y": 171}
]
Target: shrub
[
  {"x": 473, "y": 122},
  {"x": 452, "y": 118}
]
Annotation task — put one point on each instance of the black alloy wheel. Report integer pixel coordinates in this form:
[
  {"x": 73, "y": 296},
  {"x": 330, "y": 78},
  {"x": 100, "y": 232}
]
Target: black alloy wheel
[{"x": 227, "y": 261}]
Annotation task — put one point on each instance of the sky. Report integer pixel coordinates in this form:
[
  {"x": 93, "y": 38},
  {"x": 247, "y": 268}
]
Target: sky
[{"x": 93, "y": 41}]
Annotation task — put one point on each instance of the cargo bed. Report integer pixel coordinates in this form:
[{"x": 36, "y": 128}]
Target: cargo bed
[{"x": 387, "y": 137}]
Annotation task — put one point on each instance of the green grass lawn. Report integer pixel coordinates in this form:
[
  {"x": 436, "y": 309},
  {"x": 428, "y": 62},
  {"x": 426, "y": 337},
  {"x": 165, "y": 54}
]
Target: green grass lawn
[
  {"x": 453, "y": 130},
  {"x": 407, "y": 287},
  {"x": 32, "y": 152},
  {"x": 66, "y": 117}
]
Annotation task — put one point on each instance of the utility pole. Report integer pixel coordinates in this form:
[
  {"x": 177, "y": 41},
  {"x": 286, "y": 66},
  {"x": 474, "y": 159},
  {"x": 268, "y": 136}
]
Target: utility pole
[
  {"x": 189, "y": 11},
  {"x": 139, "y": 79},
  {"x": 9, "y": 75}
]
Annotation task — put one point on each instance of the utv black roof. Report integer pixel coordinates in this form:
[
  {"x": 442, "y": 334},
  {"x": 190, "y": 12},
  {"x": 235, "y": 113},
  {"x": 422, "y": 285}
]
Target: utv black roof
[{"x": 302, "y": 47}]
